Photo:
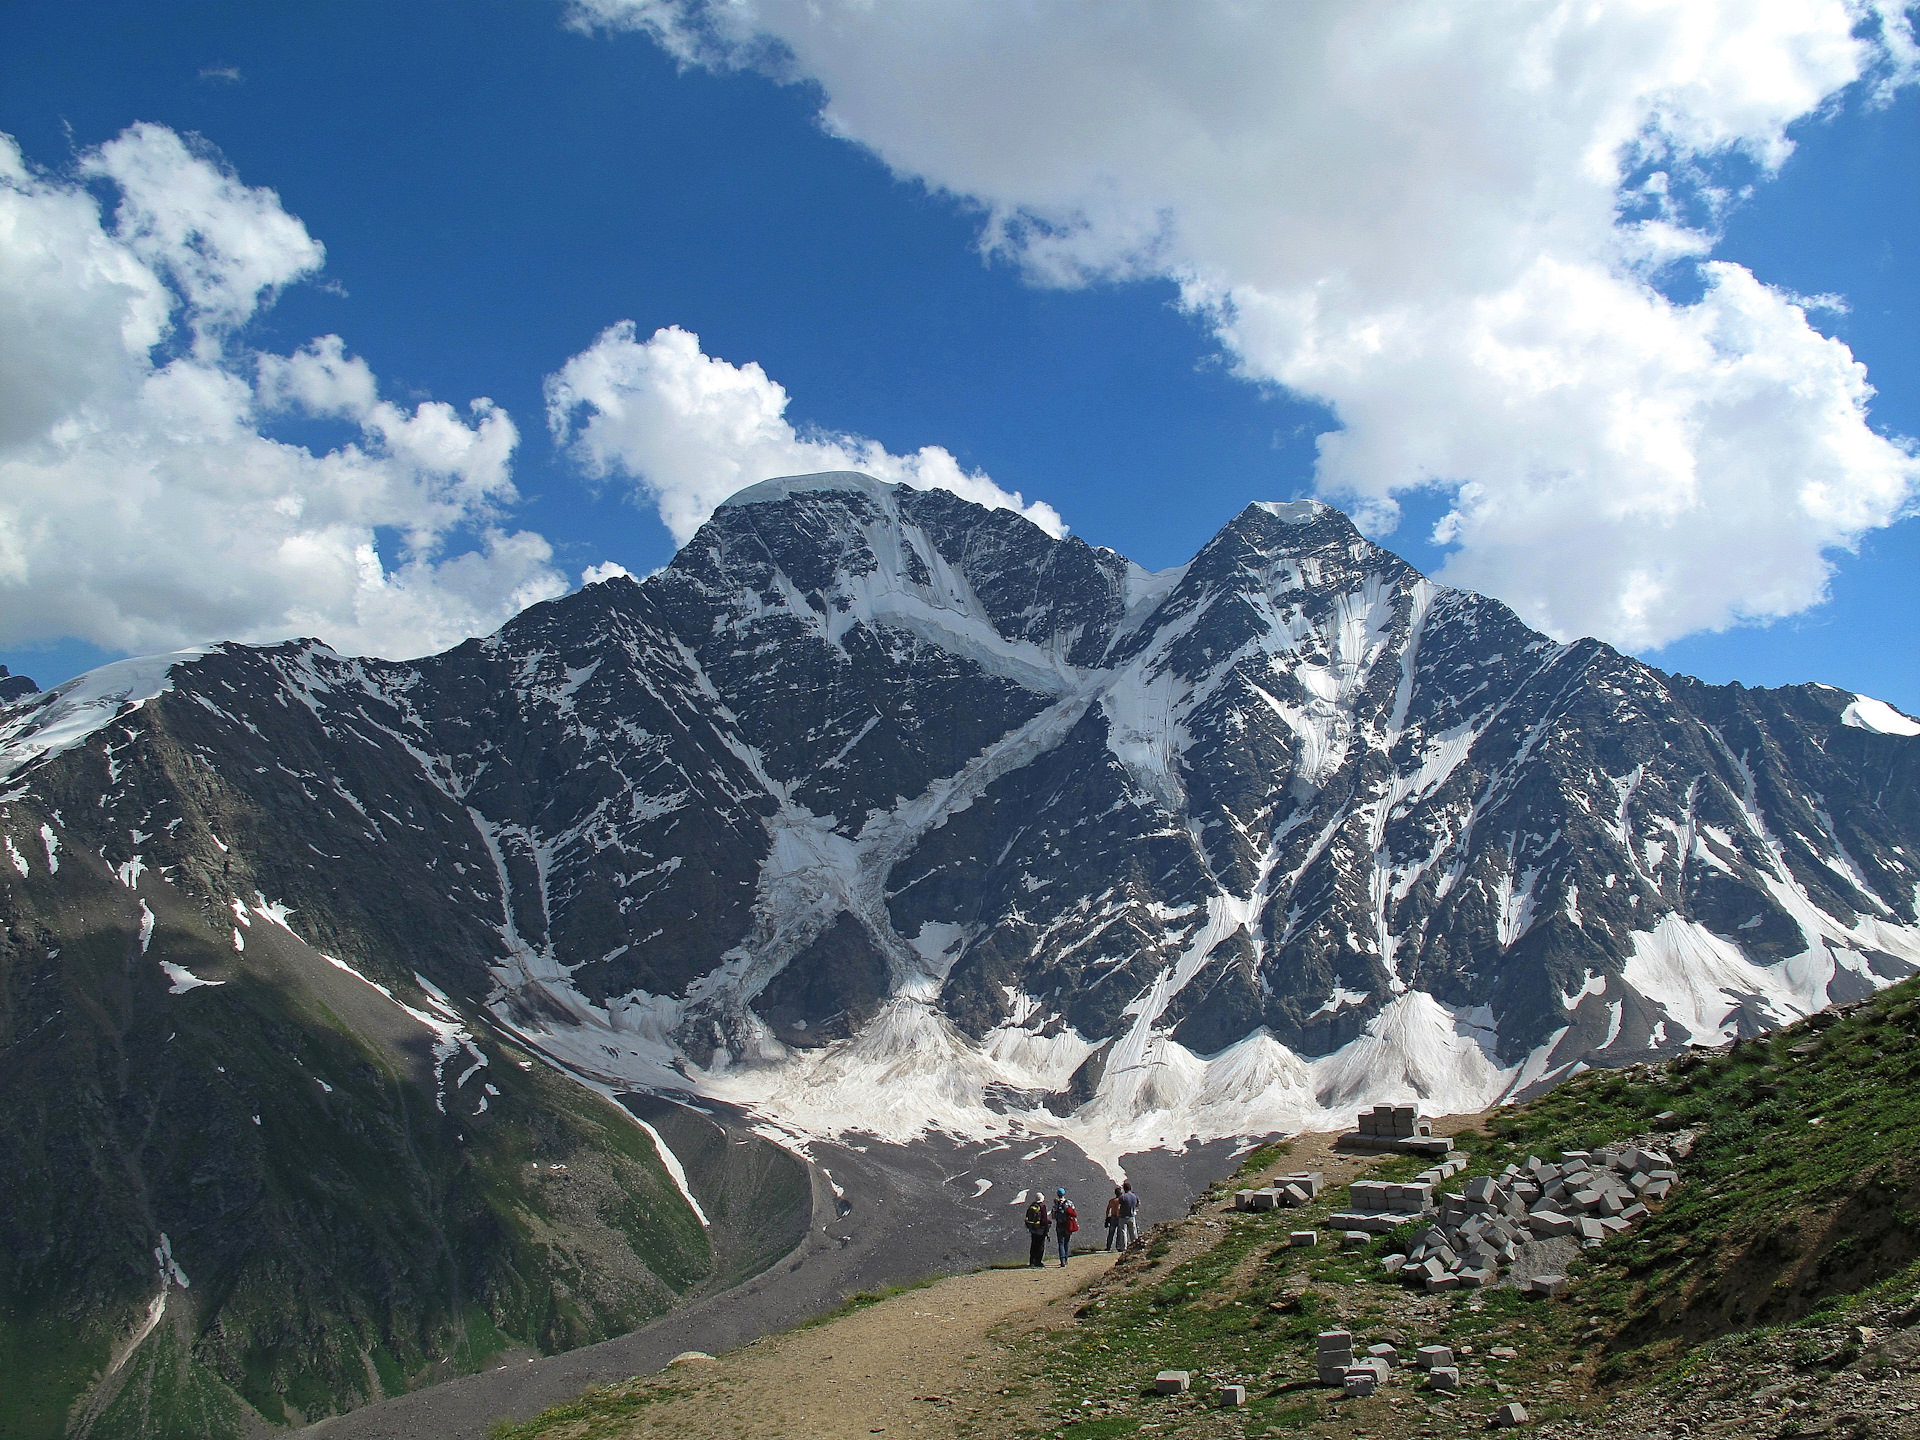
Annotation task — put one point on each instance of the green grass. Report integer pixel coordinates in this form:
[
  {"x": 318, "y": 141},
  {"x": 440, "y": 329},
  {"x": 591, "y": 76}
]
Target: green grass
[
  {"x": 1777, "y": 1217},
  {"x": 1803, "y": 1188},
  {"x": 600, "y": 1412}
]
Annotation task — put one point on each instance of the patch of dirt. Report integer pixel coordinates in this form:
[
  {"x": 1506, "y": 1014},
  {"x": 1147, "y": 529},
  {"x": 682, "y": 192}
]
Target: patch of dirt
[{"x": 927, "y": 1363}]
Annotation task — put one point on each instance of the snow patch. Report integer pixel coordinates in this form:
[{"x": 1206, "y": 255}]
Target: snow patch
[
  {"x": 184, "y": 979},
  {"x": 1866, "y": 713},
  {"x": 674, "y": 1168},
  {"x": 69, "y": 714}
]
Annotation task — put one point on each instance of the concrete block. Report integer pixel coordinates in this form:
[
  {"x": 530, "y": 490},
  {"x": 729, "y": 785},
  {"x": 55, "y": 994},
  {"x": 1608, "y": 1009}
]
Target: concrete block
[
  {"x": 1612, "y": 1224},
  {"x": 1334, "y": 1340},
  {"x": 1173, "y": 1382},
  {"x": 1443, "y": 1282},
  {"x": 1511, "y": 1413},
  {"x": 1243, "y": 1199},
  {"x": 1355, "y": 1220},
  {"x": 1312, "y": 1181},
  {"x": 1430, "y": 1145},
  {"x": 1304, "y": 1237},
  {"x": 1589, "y": 1229},
  {"x": 1260, "y": 1200},
  {"x": 1367, "y": 1195},
  {"x": 1294, "y": 1194},
  {"x": 1430, "y": 1357},
  {"x": 1586, "y": 1199},
  {"x": 1658, "y": 1190},
  {"x": 1232, "y": 1397},
  {"x": 1393, "y": 1264},
  {"x": 1384, "y": 1353},
  {"x": 1567, "y": 1157},
  {"x": 1548, "y": 1225},
  {"x": 1354, "y": 1239},
  {"x": 1444, "y": 1377},
  {"x": 1635, "y": 1212},
  {"x": 1481, "y": 1187},
  {"x": 1547, "y": 1286},
  {"x": 1473, "y": 1277},
  {"x": 1408, "y": 1199},
  {"x": 1360, "y": 1382}
]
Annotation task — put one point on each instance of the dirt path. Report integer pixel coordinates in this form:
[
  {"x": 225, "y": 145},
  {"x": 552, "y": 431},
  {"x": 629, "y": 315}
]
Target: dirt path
[
  {"x": 949, "y": 1360},
  {"x": 926, "y": 1363}
]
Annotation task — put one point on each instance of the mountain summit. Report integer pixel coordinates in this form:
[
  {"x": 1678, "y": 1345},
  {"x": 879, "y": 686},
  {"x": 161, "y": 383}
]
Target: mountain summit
[{"x": 879, "y": 811}]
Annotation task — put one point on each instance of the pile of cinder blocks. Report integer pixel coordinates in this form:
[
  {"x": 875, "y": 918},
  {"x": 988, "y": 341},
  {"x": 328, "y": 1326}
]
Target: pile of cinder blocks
[
  {"x": 1336, "y": 1364},
  {"x": 1286, "y": 1192},
  {"x": 1477, "y": 1231},
  {"x": 1396, "y": 1127},
  {"x": 1379, "y": 1206}
]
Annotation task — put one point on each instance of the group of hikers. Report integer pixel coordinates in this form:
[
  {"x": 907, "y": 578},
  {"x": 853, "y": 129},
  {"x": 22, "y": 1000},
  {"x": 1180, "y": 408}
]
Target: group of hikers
[{"x": 1123, "y": 1227}]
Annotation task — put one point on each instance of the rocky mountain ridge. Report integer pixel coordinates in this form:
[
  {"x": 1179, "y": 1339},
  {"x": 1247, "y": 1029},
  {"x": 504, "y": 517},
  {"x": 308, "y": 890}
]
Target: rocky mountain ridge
[{"x": 876, "y": 811}]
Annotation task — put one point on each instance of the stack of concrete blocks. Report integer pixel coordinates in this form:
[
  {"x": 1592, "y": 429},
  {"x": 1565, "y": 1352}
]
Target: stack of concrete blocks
[
  {"x": 1398, "y": 1127},
  {"x": 1437, "y": 1361},
  {"x": 1333, "y": 1356},
  {"x": 1586, "y": 1196},
  {"x": 1335, "y": 1363},
  {"x": 1378, "y": 1206},
  {"x": 1394, "y": 1122},
  {"x": 1286, "y": 1192}
]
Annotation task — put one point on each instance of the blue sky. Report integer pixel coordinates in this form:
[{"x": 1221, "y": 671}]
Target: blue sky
[{"x": 494, "y": 187}]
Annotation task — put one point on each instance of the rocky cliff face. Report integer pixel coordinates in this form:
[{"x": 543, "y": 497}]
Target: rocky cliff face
[
  {"x": 877, "y": 811},
  {"x": 864, "y": 756}
]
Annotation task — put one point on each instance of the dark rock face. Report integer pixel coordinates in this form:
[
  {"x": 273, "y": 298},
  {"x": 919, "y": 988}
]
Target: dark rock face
[
  {"x": 858, "y": 740},
  {"x": 15, "y": 687}
]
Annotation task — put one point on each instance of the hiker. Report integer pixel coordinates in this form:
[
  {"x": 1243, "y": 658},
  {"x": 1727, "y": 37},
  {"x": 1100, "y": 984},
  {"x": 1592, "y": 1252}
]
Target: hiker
[
  {"x": 1116, "y": 1216},
  {"x": 1066, "y": 1220},
  {"x": 1130, "y": 1210},
  {"x": 1037, "y": 1229}
]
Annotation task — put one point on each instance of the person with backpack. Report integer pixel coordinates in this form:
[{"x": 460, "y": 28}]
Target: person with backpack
[
  {"x": 1130, "y": 1211},
  {"x": 1116, "y": 1215},
  {"x": 1037, "y": 1229},
  {"x": 1066, "y": 1220}
]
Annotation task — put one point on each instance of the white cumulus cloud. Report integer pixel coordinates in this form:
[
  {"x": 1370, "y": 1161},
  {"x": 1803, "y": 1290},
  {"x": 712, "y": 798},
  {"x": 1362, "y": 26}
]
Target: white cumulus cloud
[
  {"x": 1450, "y": 224},
  {"x": 688, "y": 430},
  {"x": 143, "y": 503}
]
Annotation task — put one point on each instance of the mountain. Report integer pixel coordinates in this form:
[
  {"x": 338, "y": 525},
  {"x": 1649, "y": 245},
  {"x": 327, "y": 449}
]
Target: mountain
[{"x": 878, "y": 815}]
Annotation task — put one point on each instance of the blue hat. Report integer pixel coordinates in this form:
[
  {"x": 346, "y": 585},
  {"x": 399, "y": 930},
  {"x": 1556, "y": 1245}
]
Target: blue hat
[{"x": 1061, "y": 1191}]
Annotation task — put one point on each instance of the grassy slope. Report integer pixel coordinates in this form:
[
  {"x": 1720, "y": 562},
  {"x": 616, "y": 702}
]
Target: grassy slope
[
  {"x": 351, "y": 1242},
  {"x": 1800, "y": 1200}
]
